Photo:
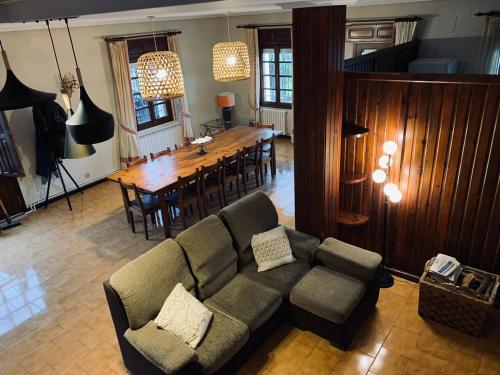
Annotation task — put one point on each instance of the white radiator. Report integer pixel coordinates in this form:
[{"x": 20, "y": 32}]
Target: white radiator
[
  {"x": 160, "y": 138},
  {"x": 276, "y": 117}
]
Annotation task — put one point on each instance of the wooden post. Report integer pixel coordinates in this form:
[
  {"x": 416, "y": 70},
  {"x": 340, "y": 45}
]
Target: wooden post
[{"x": 318, "y": 59}]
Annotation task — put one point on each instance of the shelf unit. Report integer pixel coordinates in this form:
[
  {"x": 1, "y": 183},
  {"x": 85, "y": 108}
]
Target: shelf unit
[{"x": 345, "y": 217}]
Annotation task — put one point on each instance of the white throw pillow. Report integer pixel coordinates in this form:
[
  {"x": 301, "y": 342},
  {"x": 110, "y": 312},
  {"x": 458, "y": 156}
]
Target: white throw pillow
[
  {"x": 184, "y": 316},
  {"x": 271, "y": 249}
]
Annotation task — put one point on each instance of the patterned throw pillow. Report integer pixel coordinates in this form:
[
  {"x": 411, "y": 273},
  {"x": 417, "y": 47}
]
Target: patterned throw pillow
[
  {"x": 272, "y": 249},
  {"x": 184, "y": 316}
]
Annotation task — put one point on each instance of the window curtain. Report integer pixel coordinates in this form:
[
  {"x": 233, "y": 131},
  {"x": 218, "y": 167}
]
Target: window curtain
[
  {"x": 405, "y": 31},
  {"x": 181, "y": 104},
  {"x": 127, "y": 129},
  {"x": 489, "y": 57},
  {"x": 254, "y": 94}
]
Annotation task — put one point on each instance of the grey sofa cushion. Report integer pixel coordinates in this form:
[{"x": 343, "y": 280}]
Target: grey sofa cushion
[
  {"x": 349, "y": 259},
  {"x": 246, "y": 300},
  {"x": 303, "y": 245},
  {"x": 160, "y": 347},
  {"x": 252, "y": 214},
  {"x": 328, "y": 294},
  {"x": 225, "y": 337},
  {"x": 208, "y": 246},
  {"x": 145, "y": 283},
  {"x": 282, "y": 278}
]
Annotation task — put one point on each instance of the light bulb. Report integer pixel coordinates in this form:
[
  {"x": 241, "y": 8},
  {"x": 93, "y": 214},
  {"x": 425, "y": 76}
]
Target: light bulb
[
  {"x": 390, "y": 147},
  {"x": 231, "y": 60},
  {"x": 161, "y": 74},
  {"x": 385, "y": 161},
  {"x": 390, "y": 189},
  {"x": 396, "y": 196},
  {"x": 66, "y": 99},
  {"x": 378, "y": 176}
]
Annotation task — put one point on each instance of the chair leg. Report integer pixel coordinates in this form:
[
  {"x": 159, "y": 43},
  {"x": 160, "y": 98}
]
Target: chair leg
[
  {"x": 153, "y": 218},
  {"x": 145, "y": 222},
  {"x": 127, "y": 215},
  {"x": 183, "y": 215},
  {"x": 205, "y": 205},
  {"x": 238, "y": 187},
  {"x": 224, "y": 195},
  {"x": 132, "y": 223},
  {"x": 243, "y": 177},
  {"x": 219, "y": 193},
  {"x": 200, "y": 215}
]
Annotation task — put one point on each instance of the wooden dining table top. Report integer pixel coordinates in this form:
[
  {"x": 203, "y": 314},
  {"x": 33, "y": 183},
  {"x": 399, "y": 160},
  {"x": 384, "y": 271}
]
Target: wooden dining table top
[{"x": 164, "y": 171}]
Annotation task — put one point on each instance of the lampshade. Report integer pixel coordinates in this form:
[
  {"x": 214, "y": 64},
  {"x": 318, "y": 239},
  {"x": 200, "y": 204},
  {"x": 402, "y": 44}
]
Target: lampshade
[
  {"x": 231, "y": 61},
  {"x": 73, "y": 150},
  {"x": 385, "y": 161},
  {"x": 225, "y": 99},
  {"x": 160, "y": 76},
  {"x": 396, "y": 196},
  {"x": 15, "y": 94},
  {"x": 378, "y": 176},
  {"x": 390, "y": 189},
  {"x": 390, "y": 147}
]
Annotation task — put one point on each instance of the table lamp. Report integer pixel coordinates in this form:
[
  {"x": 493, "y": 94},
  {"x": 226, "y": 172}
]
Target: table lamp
[{"x": 225, "y": 100}]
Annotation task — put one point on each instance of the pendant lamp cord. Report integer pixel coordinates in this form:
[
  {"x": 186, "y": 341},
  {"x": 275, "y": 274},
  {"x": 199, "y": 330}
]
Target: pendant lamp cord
[
  {"x": 1, "y": 45},
  {"x": 71, "y": 41},
  {"x": 153, "y": 28},
  {"x": 54, "y": 49},
  {"x": 228, "y": 32}
]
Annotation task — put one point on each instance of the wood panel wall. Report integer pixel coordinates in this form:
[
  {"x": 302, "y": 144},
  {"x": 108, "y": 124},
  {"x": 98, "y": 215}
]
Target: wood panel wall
[
  {"x": 447, "y": 166},
  {"x": 318, "y": 57}
]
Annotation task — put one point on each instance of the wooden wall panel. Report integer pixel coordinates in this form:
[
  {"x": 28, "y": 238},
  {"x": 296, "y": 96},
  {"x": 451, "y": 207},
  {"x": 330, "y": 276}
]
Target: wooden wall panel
[{"x": 447, "y": 166}]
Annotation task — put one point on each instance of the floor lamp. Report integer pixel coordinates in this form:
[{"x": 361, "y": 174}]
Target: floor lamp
[{"x": 391, "y": 194}]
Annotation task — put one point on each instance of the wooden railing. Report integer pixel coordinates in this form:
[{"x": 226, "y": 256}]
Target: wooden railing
[{"x": 393, "y": 59}]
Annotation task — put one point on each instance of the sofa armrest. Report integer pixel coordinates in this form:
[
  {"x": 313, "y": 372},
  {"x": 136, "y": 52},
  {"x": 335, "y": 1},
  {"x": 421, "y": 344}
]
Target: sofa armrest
[
  {"x": 349, "y": 259},
  {"x": 303, "y": 245}
]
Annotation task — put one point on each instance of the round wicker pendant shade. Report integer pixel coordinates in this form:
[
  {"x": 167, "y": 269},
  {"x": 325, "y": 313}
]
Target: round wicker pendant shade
[
  {"x": 231, "y": 62},
  {"x": 160, "y": 76}
]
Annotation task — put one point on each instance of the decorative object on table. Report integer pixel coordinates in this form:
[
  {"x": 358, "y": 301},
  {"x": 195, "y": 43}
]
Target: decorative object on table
[
  {"x": 225, "y": 100},
  {"x": 89, "y": 124},
  {"x": 160, "y": 74},
  {"x": 67, "y": 86},
  {"x": 213, "y": 127},
  {"x": 15, "y": 94},
  {"x": 391, "y": 194},
  {"x": 463, "y": 304},
  {"x": 201, "y": 143},
  {"x": 230, "y": 60}
]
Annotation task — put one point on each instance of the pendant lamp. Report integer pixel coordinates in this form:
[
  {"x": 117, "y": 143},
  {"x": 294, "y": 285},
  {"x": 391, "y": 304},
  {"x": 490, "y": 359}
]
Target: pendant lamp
[
  {"x": 230, "y": 60},
  {"x": 89, "y": 124},
  {"x": 160, "y": 74},
  {"x": 15, "y": 94},
  {"x": 72, "y": 150}
]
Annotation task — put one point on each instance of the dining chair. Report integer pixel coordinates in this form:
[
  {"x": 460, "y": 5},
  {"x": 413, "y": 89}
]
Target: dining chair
[
  {"x": 211, "y": 182},
  {"x": 231, "y": 174},
  {"x": 250, "y": 163},
  {"x": 154, "y": 155},
  {"x": 188, "y": 193},
  {"x": 143, "y": 205},
  {"x": 136, "y": 161},
  {"x": 266, "y": 156}
]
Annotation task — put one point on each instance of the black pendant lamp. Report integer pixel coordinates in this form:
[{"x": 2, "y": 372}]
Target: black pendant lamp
[
  {"x": 15, "y": 94},
  {"x": 72, "y": 150},
  {"x": 89, "y": 124}
]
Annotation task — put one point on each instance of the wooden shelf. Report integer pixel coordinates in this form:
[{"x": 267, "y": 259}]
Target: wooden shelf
[
  {"x": 353, "y": 130},
  {"x": 349, "y": 178},
  {"x": 351, "y": 219}
]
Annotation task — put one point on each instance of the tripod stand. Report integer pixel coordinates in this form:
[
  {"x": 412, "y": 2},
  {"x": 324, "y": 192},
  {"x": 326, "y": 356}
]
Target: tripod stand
[{"x": 56, "y": 162}]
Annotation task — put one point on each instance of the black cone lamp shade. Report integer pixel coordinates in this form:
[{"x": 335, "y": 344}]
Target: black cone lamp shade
[
  {"x": 16, "y": 95},
  {"x": 73, "y": 150}
]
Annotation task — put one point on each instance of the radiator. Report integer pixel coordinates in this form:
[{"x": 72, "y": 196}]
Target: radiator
[
  {"x": 160, "y": 138},
  {"x": 276, "y": 117}
]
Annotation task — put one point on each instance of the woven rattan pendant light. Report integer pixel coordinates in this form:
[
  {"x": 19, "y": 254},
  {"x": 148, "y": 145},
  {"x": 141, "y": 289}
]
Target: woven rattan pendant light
[
  {"x": 89, "y": 124},
  {"x": 15, "y": 94},
  {"x": 160, "y": 74},
  {"x": 230, "y": 60}
]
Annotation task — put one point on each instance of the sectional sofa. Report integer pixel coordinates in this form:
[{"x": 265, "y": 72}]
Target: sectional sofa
[{"x": 329, "y": 289}]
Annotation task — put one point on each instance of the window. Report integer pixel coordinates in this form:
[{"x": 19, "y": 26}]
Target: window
[
  {"x": 276, "y": 83},
  {"x": 148, "y": 114}
]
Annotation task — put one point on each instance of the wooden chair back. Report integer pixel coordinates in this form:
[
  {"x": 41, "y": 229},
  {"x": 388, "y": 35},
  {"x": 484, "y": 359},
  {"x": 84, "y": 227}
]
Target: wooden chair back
[
  {"x": 265, "y": 126},
  {"x": 154, "y": 155},
  {"x": 184, "y": 182},
  {"x": 131, "y": 162},
  {"x": 126, "y": 198},
  {"x": 231, "y": 165},
  {"x": 213, "y": 170}
]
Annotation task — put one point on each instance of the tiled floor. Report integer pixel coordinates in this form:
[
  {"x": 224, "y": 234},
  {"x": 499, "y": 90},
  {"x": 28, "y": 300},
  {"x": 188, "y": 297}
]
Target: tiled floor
[{"x": 54, "y": 318}]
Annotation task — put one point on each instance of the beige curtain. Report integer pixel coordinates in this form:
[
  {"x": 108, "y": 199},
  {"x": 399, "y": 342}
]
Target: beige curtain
[
  {"x": 489, "y": 57},
  {"x": 405, "y": 31},
  {"x": 181, "y": 104},
  {"x": 127, "y": 129},
  {"x": 254, "y": 94}
]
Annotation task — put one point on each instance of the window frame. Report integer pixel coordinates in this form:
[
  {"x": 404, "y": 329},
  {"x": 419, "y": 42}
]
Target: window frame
[
  {"x": 275, "y": 39},
  {"x": 137, "y": 47}
]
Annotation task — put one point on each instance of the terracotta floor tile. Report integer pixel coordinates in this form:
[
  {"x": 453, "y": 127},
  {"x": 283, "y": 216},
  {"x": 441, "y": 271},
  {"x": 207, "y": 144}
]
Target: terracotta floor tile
[
  {"x": 389, "y": 362},
  {"x": 368, "y": 341},
  {"x": 353, "y": 363}
]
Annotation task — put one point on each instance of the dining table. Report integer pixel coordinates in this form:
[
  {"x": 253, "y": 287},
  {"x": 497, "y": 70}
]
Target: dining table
[{"x": 159, "y": 176}]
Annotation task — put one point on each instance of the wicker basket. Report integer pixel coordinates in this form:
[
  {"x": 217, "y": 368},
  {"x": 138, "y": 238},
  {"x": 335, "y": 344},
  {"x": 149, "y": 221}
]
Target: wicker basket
[{"x": 453, "y": 306}]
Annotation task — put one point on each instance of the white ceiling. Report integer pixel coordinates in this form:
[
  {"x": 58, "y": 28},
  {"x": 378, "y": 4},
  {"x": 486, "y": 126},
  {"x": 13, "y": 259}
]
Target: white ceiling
[{"x": 91, "y": 12}]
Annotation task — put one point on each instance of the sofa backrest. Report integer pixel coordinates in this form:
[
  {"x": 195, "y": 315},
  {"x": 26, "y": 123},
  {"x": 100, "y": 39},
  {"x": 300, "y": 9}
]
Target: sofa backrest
[
  {"x": 208, "y": 246},
  {"x": 251, "y": 215},
  {"x": 144, "y": 284}
]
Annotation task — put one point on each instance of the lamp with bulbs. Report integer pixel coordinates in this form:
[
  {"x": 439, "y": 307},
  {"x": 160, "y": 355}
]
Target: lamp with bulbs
[{"x": 391, "y": 194}]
